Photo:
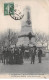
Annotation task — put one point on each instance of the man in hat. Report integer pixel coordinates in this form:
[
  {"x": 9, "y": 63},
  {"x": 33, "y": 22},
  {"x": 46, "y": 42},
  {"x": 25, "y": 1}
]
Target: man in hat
[
  {"x": 16, "y": 55},
  {"x": 4, "y": 54},
  {"x": 33, "y": 53},
  {"x": 22, "y": 49},
  {"x": 20, "y": 56},
  {"x": 39, "y": 55}
]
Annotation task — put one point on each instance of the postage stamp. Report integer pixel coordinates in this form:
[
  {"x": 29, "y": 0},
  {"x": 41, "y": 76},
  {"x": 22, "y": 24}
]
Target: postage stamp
[{"x": 8, "y": 8}]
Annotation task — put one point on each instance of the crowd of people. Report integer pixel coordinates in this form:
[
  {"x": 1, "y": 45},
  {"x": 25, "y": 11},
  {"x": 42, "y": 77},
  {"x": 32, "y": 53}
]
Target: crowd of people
[
  {"x": 15, "y": 55},
  {"x": 12, "y": 56}
]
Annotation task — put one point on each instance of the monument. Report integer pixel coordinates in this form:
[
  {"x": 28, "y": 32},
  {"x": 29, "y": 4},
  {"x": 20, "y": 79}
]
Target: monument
[{"x": 26, "y": 35}]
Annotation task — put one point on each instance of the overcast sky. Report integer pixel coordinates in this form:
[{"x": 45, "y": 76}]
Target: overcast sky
[{"x": 39, "y": 15}]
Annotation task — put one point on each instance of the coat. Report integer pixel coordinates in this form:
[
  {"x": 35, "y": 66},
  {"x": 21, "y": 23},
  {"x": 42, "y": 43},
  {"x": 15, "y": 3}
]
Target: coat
[
  {"x": 33, "y": 53},
  {"x": 40, "y": 53}
]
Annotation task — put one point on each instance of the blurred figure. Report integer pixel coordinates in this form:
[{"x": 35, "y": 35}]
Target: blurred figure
[
  {"x": 39, "y": 55},
  {"x": 33, "y": 53},
  {"x": 16, "y": 55},
  {"x": 10, "y": 56},
  {"x": 4, "y": 55},
  {"x": 20, "y": 56},
  {"x": 28, "y": 48},
  {"x": 7, "y": 56},
  {"x": 22, "y": 49}
]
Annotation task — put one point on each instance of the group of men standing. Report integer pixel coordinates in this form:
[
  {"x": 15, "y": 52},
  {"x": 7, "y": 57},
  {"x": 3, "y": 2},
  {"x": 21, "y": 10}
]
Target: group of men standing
[
  {"x": 16, "y": 55},
  {"x": 33, "y": 54},
  {"x": 12, "y": 56}
]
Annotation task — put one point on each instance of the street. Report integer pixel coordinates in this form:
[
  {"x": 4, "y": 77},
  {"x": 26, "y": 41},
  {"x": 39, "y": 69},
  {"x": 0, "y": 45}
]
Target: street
[{"x": 26, "y": 67}]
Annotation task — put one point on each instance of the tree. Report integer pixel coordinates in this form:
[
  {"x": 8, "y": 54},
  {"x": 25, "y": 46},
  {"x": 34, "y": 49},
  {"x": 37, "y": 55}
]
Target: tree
[
  {"x": 9, "y": 38},
  {"x": 47, "y": 40},
  {"x": 40, "y": 37}
]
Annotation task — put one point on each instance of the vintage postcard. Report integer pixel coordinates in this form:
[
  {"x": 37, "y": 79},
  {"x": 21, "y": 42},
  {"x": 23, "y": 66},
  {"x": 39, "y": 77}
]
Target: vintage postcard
[{"x": 24, "y": 38}]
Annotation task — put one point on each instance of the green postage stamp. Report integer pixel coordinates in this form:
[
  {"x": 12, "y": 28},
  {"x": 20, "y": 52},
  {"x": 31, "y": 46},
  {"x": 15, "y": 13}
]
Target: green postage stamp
[{"x": 8, "y": 8}]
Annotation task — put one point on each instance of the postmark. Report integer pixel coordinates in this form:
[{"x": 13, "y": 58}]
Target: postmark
[
  {"x": 17, "y": 16},
  {"x": 18, "y": 13}
]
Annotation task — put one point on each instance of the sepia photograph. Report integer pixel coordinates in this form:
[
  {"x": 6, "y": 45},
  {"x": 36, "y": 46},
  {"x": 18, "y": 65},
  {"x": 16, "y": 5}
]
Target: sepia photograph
[{"x": 24, "y": 38}]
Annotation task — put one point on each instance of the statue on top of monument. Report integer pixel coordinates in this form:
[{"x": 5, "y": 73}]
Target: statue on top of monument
[{"x": 28, "y": 16}]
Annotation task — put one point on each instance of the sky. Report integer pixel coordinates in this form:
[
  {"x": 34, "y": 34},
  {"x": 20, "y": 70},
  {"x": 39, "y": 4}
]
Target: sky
[{"x": 39, "y": 15}]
